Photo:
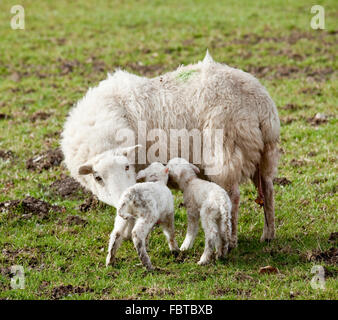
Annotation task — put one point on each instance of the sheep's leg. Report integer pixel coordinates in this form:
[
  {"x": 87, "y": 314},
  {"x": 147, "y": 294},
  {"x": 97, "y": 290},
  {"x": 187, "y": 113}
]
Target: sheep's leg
[
  {"x": 224, "y": 236},
  {"x": 116, "y": 238},
  {"x": 139, "y": 235},
  {"x": 169, "y": 232},
  {"x": 210, "y": 228},
  {"x": 193, "y": 217},
  {"x": 269, "y": 209},
  {"x": 234, "y": 197}
]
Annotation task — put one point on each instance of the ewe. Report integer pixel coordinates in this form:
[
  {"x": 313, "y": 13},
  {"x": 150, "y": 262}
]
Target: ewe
[
  {"x": 145, "y": 203},
  {"x": 206, "y": 95},
  {"x": 206, "y": 200}
]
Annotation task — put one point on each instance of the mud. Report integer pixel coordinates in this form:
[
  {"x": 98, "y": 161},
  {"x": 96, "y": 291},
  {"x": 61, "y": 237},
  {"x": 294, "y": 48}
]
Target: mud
[
  {"x": 66, "y": 187},
  {"x": 65, "y": 290},
  {"x": 89, "y": 204},
  {"x": 329, "y": 256},
  {"x": 281, "y": 181},
  {"x": 30, "y": 207},
  {"x": 76, "y": 220},
  {"x": 6, "y": 154},
  {"x": 45, "y": 161},
  {"x": 40, "y": 115}
]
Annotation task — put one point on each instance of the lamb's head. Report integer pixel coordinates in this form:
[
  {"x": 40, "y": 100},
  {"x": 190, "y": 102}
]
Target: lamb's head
[
  {"x": 154, "y": 172},
  {"x": 180, "y": 170},
  {"x": 110, "y": 173}
]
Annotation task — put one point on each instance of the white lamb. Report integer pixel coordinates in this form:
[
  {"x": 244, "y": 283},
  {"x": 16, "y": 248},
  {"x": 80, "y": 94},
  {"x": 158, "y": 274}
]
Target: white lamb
[
  {"x": 205, "y": 199},
  {"x": 148, "y": 203}
]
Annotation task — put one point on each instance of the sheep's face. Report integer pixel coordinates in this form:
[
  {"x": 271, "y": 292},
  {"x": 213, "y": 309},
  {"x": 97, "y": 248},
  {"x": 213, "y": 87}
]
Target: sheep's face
[
  {"x": 111, "y": 173},
  {"x": 179, "y": 167},
  {"x": 153, "y": 173}
]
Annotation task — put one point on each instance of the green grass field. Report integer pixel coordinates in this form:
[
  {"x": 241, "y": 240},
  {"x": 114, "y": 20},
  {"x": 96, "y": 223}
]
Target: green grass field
[{"x": 69, "y": 46}]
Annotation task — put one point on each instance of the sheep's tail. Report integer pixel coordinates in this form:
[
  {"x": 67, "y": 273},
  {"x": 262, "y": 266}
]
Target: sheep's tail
[{"x": 225, "y": 225}]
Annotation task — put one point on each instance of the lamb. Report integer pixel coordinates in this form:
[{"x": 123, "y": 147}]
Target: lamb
[
  {"x": 147, "y": 203},
  {"x": 207, "y": 200},
  {"x": 206, "y": 95}
]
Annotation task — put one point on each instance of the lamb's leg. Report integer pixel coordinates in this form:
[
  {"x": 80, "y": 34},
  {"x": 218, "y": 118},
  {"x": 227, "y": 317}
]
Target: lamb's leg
[
  {"x": 139, "y": 235},
  {"x": 210, "y": 228},
  {"x": 169, "y": 232},
  {"x": 234, "y": 197},
  {"x": 116, "y": 238},
  {"x": 269, "y": 209},
  {"x": 128, "y": 230},
  {"x": 193, "y": 217}
]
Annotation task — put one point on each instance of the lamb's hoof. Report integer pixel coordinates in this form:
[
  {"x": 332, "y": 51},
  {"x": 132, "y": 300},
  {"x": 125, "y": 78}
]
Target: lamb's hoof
[
  {"x": 232, "y": 245},
  {"x": 203, "y": 262},
  {"x": 150, "y": 268},
  {"x": 184, "y": 247},
  {"x": 109, "y": 260}
]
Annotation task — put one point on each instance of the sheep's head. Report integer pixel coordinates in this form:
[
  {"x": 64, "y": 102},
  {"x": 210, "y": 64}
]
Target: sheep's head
[
  {"x": 111, "y": 173},
  {"x": 153, "y": 173},
  {"x": 180, "y": 169}
]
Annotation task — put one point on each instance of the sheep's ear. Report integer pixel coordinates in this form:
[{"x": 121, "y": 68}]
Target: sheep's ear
[
  {"x": 127, "y": 151},
  {"x": 141, "y": 175},
  {"x": 197, "y": 171},
  {"x": 86, "y": 169},
  {"x": 166, "y": 170}
]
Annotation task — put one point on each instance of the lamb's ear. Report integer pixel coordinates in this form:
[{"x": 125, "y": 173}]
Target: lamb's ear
[
  {"x": 196, "y": 170},
  {"x": 141, "y": 175},
  {"x": 86, "y": 169},
  {"x": 166, "y": 170},
  {"x": 128, "y": 150}
]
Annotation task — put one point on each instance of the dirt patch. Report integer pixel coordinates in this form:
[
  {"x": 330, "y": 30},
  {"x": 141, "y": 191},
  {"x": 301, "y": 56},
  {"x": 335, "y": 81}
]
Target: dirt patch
[
  {"x": 281, "y": 181},
  {"x": 4, "y": 116},
  {"x": 75, "y": 220},
  {"x": 333, "y": 236},
  {"x": 329, "y": 256},
  {"x": 67, "y": 67},
  {"x": 241, "y": 276},
  {"x": 13, "y": 256},
  {"x": 226, "y": 291},
  {"x": 89, "y": 204},
  {"x": 146, "y": 70},
  {"x": 40, "y": 115},
  {"x": 65, "y": 290},
  {"x": 287, "y": 120},
  {"x": 311, "y": 91},
  {"x": 66, "y": 187},
  {"x": 155, "y": 291},
  {"x": 45, "y": 161},
  {"x": 312, "y": 154},
  {"x": 293, "y": 107},
  {"x": 297, "y": 163},
  {"x": 318, "y": 119},
  {"x": 29, "y": 207},
  {"x": 6, "y": 154}
]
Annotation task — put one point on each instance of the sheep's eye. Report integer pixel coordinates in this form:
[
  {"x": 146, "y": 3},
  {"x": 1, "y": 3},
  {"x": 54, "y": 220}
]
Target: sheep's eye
[
  {"x": 127, "y": 168},
  {"x": 98, "y": 178}
]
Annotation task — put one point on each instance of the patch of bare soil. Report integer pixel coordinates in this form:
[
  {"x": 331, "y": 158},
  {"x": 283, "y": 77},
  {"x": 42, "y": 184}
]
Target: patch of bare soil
[
  {"x": 98, "y": 65},
  {"x": 40, "y": 115},
  {"x": 146, "y": 70},
  {"x": 287, "y": 120},
  {"x": 45, "y": 161},
  {"x": 297, "y": 163},
  {"x": 333, "y": 236},
  {"x": 329, "y": 256},
  {"x": 155, "y": 291},
  {"x": 6, "y": 154},
  {"x": 293, "y": 107},
  {"x": 76, "y": 220},
  {"x": 67, "y": 66},
  {"x": 65, "y": 290},
  {"x": 89, "y": 204},
  {"x": 318, "y": 119},
  {"x": 4, "y": 116},
  {"x": 66, "y": 187},
  {"x": 281, "y": 181},
  {"x": 311, "y": 91},
  {"x": 225, "y": 291},
  {"x": 241, "y": 276},
  {"x": 30, "y": 207}
]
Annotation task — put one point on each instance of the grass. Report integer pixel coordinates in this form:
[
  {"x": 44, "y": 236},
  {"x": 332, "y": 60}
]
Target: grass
[{"x": 69, "y": 46}]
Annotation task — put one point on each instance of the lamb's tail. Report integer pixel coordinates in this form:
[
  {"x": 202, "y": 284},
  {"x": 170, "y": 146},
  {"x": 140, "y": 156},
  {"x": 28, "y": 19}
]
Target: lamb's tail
[{"x": 124, "y": 210}]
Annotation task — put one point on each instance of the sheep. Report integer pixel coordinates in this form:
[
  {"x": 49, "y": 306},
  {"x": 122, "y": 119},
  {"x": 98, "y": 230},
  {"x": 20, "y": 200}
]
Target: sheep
[
  {"x": 202, "y": 96},
  {"x": 207, "y": 200},
  {"x": 147, "y": 203}
]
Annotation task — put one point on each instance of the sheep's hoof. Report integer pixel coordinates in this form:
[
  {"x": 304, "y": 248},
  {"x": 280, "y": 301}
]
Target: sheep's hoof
[{"x": 267, "y": 237}]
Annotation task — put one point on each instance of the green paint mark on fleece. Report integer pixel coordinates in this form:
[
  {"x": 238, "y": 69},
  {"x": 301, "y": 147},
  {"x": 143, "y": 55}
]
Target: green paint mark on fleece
[{"x": 185, "y": 75}]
